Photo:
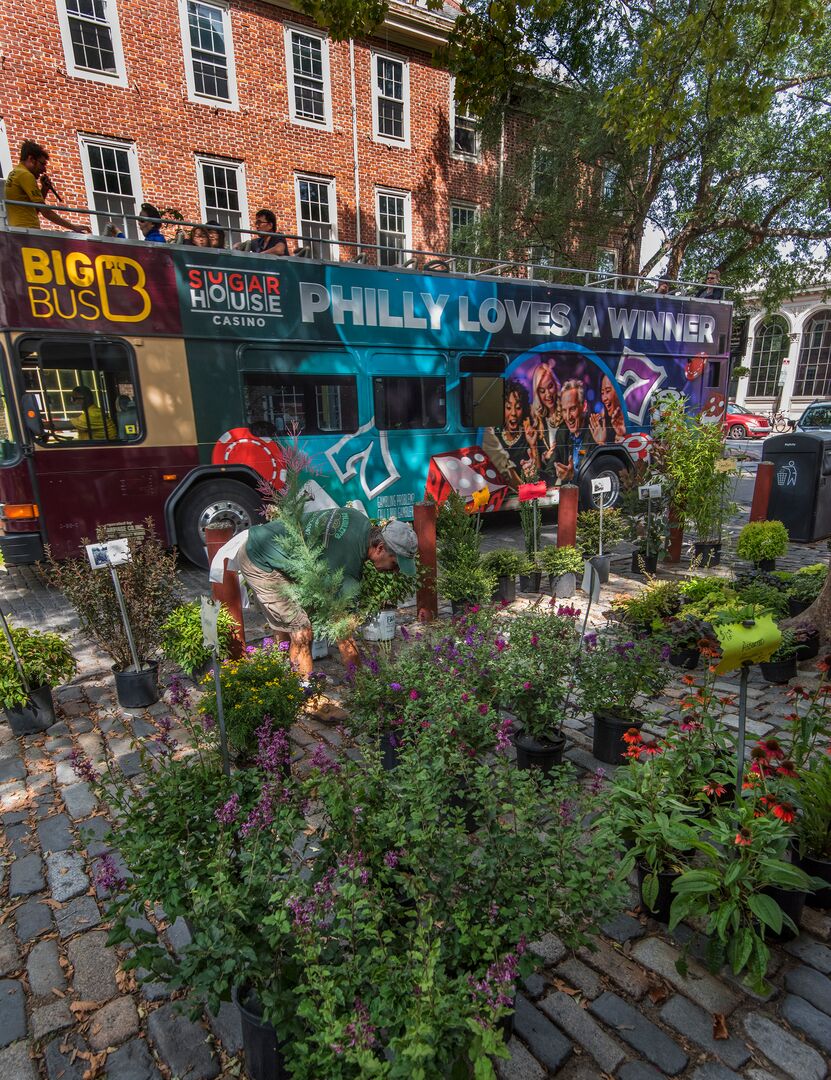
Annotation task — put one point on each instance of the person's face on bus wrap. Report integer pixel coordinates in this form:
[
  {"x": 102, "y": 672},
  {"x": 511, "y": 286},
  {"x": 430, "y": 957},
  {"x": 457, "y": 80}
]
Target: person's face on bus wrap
[{"x": 513, "y": 413}]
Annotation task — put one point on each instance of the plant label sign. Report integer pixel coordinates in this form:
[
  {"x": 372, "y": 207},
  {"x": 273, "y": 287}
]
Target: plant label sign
[
  {"x": 650, "y": 491},
  {"x": 601, "y": 485},
  {"x": 591, "y": 582},
  {"x": 742, "y": 644},
  {"x": 725, "y": 465},
  {"x": 209, "y": 610},
  {"x": 109, "y": 553}
]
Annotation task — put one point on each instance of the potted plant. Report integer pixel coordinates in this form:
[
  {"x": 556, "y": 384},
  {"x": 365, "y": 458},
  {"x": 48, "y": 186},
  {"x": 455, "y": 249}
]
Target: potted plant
[
  {"x": 685, "y": 635},
  {"x": 530, "y": 575},
  {"x": 462, "y": 578},
  {"x": 381, "y": 593},
  {"x": 647, "y": 609},
  {"x": 535, "y": 685},
  {"x": 807, "y": 641},
  {"x": 150, "y": 590},
  {"x": 762, "y": 543},
  {"x": 614, "y": 676},
  {"x": 813, "y": 824},
  {"x": 781, "y": 667},
  {"x": 646, "y": 519},
  {"x": 589, "y": 537},
  {"x": 530, "y": 517},
  {"x": 503, "y": 564},
  {"x": 182, "y": 642},
  {"x": 804, "y": 587},
  {"x": 562, "y": 564},
  {"x": 46, "y": 661},
  {"x": 762, "y": 593}
]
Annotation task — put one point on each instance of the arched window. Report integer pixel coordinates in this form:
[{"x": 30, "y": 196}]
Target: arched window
[
  {"x": 813, "y": 373},
  {"x": 770, "y": 347}
]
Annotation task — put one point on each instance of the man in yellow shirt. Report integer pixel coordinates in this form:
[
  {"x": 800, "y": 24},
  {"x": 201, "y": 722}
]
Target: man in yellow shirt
[
  {"x": 91, "y": 422},
  {"x": 22, "y": 186}
]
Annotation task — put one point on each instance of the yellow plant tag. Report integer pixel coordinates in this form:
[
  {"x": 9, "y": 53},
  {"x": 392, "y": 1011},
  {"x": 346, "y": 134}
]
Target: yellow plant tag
[{"x": 742, "y": 644}]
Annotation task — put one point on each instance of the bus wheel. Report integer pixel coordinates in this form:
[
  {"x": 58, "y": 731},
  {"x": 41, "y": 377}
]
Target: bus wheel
[
  {"x": 603, "y": 466},
  {"x": 216, "y": 502}
]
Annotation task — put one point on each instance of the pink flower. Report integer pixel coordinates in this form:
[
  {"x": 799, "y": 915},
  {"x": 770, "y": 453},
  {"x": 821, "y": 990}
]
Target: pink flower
[{"x": 414, "y": 695}]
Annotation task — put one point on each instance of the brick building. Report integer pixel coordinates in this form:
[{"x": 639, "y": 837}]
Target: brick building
[{"x": 216, "y": 108}]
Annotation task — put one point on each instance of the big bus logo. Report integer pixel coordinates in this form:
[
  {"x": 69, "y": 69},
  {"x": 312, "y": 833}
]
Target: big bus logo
[
  {"x": 75, "y": 285},
  {"x": 234, "y": 297}
]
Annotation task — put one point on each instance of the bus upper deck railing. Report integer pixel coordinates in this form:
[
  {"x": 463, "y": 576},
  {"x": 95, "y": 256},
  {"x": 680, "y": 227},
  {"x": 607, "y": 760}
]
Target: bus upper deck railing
[{"x": 383, "y": 256}]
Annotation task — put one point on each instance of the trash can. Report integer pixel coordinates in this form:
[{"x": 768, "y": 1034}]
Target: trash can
[{"x": 801, "y": 492}]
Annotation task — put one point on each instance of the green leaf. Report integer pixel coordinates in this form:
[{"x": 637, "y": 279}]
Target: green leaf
[{"x": 766, "y": 911}]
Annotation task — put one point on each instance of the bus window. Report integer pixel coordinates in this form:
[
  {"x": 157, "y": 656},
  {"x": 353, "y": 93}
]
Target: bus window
[
  {"x": 481, "y": 390},
  {"x": 714, "y": 373},
  {"x": 86, "y": 391},
  {"x": 405, "y": 403},
  {"x": 8, "y": 444},
  {"x": 301, "y": 404}
]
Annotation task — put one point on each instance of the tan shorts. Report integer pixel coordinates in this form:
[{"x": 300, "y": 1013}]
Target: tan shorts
[{"x": 269, "y": 586}]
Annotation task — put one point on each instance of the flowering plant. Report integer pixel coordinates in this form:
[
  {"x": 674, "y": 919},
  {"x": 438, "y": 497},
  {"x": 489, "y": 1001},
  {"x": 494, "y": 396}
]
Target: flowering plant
[
  {"x": 260, "y": 684},
  {"x": 619, "y": 676},
  {"x": 681, "y": 632}
]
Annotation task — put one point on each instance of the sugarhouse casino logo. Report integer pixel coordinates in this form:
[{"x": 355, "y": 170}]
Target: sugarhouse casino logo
[{"x": 234, "y": 297}]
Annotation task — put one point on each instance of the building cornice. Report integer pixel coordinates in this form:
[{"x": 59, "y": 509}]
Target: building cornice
[{"x": 405, "y": 24}]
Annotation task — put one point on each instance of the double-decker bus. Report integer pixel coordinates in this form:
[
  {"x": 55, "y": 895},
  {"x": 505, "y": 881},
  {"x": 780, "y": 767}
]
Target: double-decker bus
[{"x": 147, "y": 381}]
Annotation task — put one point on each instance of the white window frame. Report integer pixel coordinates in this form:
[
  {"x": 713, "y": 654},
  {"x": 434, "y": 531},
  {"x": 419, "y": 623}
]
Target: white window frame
[
  {"x": 303, "y": 121},
  {"x": 462, "y": 204},
  {"x": 226, "y": 163},
  {"x": 72, "y": 69},
  {"x": 184, "y": 28},
  {"x": 374, "y": 56},
  {"x": 454, "y": 153},
  {"x": 6, "y": 162},
  {"x": 606, "y": 274},
  {"x": 408, "y": 221},
  {"x": 84, "y": 142},
  {"x": 329, "y": 182}
]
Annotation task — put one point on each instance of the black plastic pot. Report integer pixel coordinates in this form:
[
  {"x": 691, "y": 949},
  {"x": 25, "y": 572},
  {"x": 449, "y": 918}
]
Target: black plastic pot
[
  {"x": 663, "y": 901},
  {"x": 505, "y": 591},
  {"x": 562, "y": 585},
  {"x": 263, "y": 1059},
  {"x": 199, "y": 672},
  {"x": 685, "y": 658},
  {"x": 532, "y": 753},
  {"x": 37, "y": 714},
  {"x": 530, "y": 582},
  {"x": 792, "y": 901},
  {"x": 643, "y": 563},
  {"x": 779, "y": 671},
  {"x": 707, "y": 552},
  {"x": 506, "y": 1023},
  {"x": 138, "y": 689},
  {"x": 820, "y": 868},
  {"x": 609, "y": 729},
  {"x": 389, "y": 751},
  {"x": 796, "y": 607},
  {"x": 767, "y": 566},
  {"x": 808, "y": 649},
  {"x": 602, "y": 564},
  {"x": 461, "y": 800}
]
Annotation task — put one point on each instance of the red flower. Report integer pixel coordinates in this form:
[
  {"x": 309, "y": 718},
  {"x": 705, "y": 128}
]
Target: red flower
[
  {"x": 651, "y": 748},
  {"x": 785, "y": 812},
  {"x": 633, "y": 737},
  {"x": 787, "y": 768},
  {"x": 744, "y": 838},
  {"x": 714, "y": 789}
]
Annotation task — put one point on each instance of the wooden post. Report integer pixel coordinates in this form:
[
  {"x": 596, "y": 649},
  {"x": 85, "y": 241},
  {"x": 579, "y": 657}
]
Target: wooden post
[
  {"x": 424, "y": 523},
  {"x": 228, "y": 590},
  {"x": 567, "y": 516},
  {"x": 761, "y": 491}
]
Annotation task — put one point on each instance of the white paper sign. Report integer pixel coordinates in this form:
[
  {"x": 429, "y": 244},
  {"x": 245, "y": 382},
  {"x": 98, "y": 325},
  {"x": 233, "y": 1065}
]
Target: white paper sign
[
  {"x": 109, "y": 553},
  {"x": 650, "y": 491},
  {"x": 209, "y": 610},
  {"x": 601, "y": 485}
]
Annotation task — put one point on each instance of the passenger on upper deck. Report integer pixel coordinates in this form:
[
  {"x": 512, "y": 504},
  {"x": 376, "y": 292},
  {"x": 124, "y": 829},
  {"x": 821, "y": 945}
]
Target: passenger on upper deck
[
  {"x": 711, "y": 290},
  {"x": 199, "y": 237},
  {"x": 265, "y": 222},
  {"x": 150, "y": 224},
  {"x": 216, "y": 234},
  {"x": 21, "y": 186}
]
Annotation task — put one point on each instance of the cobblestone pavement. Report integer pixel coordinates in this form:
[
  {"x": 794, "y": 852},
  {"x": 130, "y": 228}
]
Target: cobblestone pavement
[{"x": 621, "y": 1011}]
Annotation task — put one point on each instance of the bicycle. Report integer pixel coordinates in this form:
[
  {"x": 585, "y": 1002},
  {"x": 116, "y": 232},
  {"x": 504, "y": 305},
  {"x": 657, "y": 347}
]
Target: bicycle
[{"x": 779, "y": 421}]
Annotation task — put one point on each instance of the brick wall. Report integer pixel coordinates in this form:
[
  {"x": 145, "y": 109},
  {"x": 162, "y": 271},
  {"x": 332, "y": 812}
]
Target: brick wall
[{"x": 41, "y": 101}]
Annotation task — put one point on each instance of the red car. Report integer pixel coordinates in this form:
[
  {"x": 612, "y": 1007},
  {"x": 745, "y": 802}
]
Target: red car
[{"x": 740, "y": 423}]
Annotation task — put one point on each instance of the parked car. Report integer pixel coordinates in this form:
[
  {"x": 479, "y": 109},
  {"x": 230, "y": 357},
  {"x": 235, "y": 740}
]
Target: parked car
[
  {"x": 740, "y": 423},
  {"x": 817, "y": 417}
]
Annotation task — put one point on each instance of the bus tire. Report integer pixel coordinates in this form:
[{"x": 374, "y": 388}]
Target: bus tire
[
  {"x": 602, "y": 465},
  {"x": 214, "y": 502}
]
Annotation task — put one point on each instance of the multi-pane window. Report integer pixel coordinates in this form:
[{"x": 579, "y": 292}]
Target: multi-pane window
[
  {"x": 111, "y": 173},
  {"x": 813, "y": 372},
  {"x": 403, "y": 403},
  {"x": 606, "y": 266},
  {"x": 544, "y": 171},
  {"x": 277, "y": 405},
  {"x": 393, "y": 214},
  {"x": 390, "y": 99},
  {"x": 308, "y": 77},
  {"x": 464, "y": 130},
  {"x": 89, "y": 31},
  {"x": 316, "y": 214},
  {"x": 207, "y": 30},
  {"x": 463, "y": 219},
  {"x": 608, "y": 191},
  {"x": 5, "y": 153},
  {"x": 222, "y": 191},
  {"x": 770, "y": 346}
]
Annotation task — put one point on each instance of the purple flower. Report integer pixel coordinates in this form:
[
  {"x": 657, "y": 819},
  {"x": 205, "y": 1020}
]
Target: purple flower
[
  {"x": 566, "y": 812},
  {"x": 179, "y": 693},
  {"x": 483, "y": 710},
  {"x": 283, "y": 646},
  {"x": 83, "y": 767},
  {"x": 263, "y": 813},
  {"x": 360, "y": 1032},
  {"x": 597, "y": 781},
  {"x": 321, "y": 760},
  {"x": 395, "y": 686},
  {"x": 503, "y": 734},
  {"x": 301, "y": 911},
  {"x": 163, "y": 739},
  {"x": 107, "y": 876},
  {"x": 405, "y": 633},
  {"x": 373, "y": 666},
  {"x": 268, "y": 643},
  {"x": 227, "y": 813},
  {"x": 392, "y": 858},
  {"x": 590, "y": 640},
  {"x": 273, "y": 750},
  {"x": 250, "y": 649},
  {"x": 357, "y": 811},
  {"x": 208, "y": 721},
  {"x": 665, "y": 651},
  {"x": 414, "y": 695},
  {"x": 526, "y": 685}
]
